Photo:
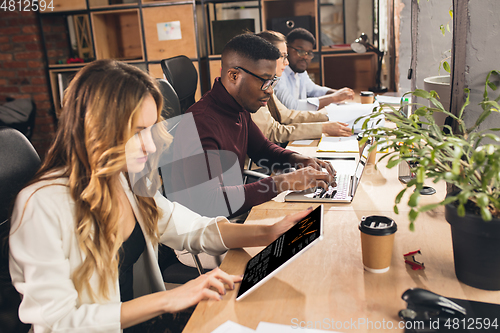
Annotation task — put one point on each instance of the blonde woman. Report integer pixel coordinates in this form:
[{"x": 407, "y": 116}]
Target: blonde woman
[
  {"x": 82, "y": 244},
  {"x": 280, "y": 124}
]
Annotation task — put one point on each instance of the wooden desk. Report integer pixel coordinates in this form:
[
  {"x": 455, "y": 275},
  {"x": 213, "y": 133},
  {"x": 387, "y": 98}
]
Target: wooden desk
[{"x": 328, "y": 284}]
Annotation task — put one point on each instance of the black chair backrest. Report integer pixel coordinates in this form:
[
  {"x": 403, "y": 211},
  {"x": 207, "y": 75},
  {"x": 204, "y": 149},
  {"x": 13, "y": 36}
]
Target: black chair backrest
[
  {"x": 182, "y": 75},
  {"x": 171, "y": 105},
  {"x": 18, "y": 163}
]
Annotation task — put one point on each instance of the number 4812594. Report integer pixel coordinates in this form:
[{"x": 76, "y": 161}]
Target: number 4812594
[{"x": 26, "y": 5}]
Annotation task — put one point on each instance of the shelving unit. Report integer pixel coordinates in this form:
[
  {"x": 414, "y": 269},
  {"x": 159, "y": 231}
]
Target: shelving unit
[
  {"x": 141, "y": 33},
  {"x": 221, "y": 21},
  {"x": 341, "y": 22},
  {"x": 335, "y": 64},
  {"x": 285, "y": 15}
]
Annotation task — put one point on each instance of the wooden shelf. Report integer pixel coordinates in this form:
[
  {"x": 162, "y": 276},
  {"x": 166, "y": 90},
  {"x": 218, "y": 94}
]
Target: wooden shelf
[
  {"x": 117, "y": 35},
  {"x": 65, "y": 5},
  {"x": 133, "y": 31},
  {"x": 112, "y": 3},
  {"x": 170, "y": 31},
  {"x": 354, "y": 70},
  {"x": 59, "y": 81},
  {"x": 275, "y": 13}
]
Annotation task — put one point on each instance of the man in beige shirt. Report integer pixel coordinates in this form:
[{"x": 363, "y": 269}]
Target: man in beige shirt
[{"x": 280, "y": 124}]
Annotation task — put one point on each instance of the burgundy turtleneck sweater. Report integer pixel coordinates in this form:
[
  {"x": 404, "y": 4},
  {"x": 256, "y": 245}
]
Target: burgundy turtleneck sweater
[{"x": 223, "y": 126}]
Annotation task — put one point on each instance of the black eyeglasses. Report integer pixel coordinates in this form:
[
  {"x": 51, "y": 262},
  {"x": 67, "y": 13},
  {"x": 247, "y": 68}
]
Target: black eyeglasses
[
  {"x": 266, "y": 83},
  {"x": 303, "y": 53}
]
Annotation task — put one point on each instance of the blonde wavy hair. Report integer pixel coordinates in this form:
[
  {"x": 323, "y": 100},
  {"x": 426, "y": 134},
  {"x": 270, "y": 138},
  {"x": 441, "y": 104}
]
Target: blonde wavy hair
[{"x": 99, "y": 111}]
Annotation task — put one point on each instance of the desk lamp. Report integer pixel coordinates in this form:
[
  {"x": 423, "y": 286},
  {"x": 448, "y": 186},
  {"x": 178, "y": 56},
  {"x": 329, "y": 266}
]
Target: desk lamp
[{"x": 361, "y": 45}]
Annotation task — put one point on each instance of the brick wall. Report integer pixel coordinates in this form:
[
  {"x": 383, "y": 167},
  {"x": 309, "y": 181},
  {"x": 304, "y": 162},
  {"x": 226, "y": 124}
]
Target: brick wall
[{"x": 23, "y": 68}]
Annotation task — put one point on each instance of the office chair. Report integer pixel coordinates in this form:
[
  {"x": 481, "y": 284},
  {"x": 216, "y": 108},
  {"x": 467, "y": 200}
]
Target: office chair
[
  {"x": 18, "y": 163},
  {"x": 173, "y": 270},
  {"x": 171, "y": 105},
  {"x": 183, "y": 77},
  {"x": 14, "y": 110}
]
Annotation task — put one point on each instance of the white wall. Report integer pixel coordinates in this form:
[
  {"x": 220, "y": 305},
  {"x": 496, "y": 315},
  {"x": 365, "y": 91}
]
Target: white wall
[
  {"x": 482, "y": 55},
  {"x": 431, "y": 44},
  {"x": 481, "y": 51}
]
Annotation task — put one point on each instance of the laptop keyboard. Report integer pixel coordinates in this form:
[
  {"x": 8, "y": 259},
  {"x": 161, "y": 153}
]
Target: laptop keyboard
[{"x": 338, "y": 192}]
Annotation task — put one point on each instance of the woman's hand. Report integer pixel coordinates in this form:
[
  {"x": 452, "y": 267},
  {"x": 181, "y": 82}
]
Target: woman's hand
[
  {"x": 211, "y": 285},
  {"x": 336, "y": 128},
  {"x": 280, "y": 227}
]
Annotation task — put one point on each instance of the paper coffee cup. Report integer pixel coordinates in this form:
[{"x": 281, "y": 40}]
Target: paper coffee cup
[
  {"x": 372, "y": 155},
  {"x": 367, "y": 97},
  {"x": 377, "y": 240}
]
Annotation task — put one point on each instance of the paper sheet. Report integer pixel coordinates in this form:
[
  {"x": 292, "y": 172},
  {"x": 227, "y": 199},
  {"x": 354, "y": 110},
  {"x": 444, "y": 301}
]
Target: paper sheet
[
  {"x": 302, "y": 142},
  {"x": 232, "y": 327},
  {"x": 279, "y": 328},
  {"x": 388, "y": 99},
  {"x": 349, "y": 112},
  {"x": 337, "y": 144}
]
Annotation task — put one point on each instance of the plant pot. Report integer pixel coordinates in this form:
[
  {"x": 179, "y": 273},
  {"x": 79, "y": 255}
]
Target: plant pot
[
  {"x": 476, "y": 249},
  {"x": 440, "y": 84}
]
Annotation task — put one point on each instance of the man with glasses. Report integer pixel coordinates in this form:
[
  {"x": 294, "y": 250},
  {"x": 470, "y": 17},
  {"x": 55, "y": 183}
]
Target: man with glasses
[
  {"x": 280, "y": 124},
  {"x": 295, "y": 89},
  {"x": 223, "y": 123}
]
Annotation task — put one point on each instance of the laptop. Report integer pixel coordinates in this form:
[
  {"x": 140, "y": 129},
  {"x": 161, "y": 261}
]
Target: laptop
[
  {"x": 348, "y": 177},
  {"x": 297, "y": 240}
]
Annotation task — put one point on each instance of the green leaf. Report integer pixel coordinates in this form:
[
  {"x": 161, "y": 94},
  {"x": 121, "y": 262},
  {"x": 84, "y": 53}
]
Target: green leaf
[
  {"x": 451, "y": 13},
  {"x": 429, "y": 207},
  {"x": 448, "y": 200},
  {"x": 482, "y": 200},
  {"x": 399, "y": 196},
  {"x": 420, "y": 174},
  {"x": 393, "y": 163},
  {"x": 482, "y": 117},
  {"x": 455, "y": 167},
  {"x": 422, "y": 93},
  {"x": 485, "y": 214},
  {"x": 396, "y": 210},
  {"x": 412, "y": 215},
  {"x": 461, "y": 210},
  {"x": 414, "y": 199},
  {"x": 446, "y": 66},
  {"x": 441, "y": 27},
  {"x": 412, "y": 226}
]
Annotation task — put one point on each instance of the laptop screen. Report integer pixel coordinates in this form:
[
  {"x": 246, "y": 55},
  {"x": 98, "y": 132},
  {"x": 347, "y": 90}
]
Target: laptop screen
[
  {"x": 282, "y": 251},
  {"x": 363, "y": 159}
]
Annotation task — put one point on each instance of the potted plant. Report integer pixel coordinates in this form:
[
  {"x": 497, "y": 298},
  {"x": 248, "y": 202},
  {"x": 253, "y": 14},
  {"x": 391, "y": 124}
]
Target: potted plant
[{"x": 466, "y": 158}]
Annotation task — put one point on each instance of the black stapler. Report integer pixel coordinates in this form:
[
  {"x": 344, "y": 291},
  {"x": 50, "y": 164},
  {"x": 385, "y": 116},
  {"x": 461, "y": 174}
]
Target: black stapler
[{"x": 424, "y": 305}]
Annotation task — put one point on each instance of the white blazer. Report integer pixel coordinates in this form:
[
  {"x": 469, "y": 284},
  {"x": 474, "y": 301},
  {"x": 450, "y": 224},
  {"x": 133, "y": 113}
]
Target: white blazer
[{"x": 44, "y": 253}]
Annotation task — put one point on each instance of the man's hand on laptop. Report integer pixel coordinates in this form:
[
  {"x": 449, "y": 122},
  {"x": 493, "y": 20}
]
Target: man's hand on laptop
[
  {"x": 302, "y": 161},
  {"x": 303, "y": 179}
]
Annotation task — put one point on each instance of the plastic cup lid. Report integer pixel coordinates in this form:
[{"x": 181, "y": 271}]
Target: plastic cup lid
[
  {"x": 366, "y": 93},
  {"x": 378, "y": 225}
]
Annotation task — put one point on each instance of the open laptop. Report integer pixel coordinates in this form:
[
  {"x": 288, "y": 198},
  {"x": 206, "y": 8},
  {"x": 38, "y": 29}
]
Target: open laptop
[
  {"x": 298, "y": 239},
  {"x": 348, "y": 177}
]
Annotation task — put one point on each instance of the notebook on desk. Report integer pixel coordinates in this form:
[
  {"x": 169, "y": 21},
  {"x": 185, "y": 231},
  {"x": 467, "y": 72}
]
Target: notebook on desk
[
  {"x": 348, "y": 177},
  {"x": 265, "y": 264}
]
